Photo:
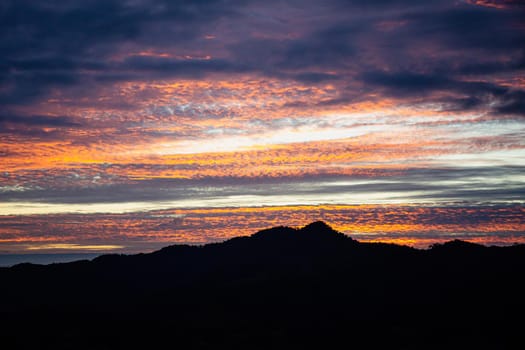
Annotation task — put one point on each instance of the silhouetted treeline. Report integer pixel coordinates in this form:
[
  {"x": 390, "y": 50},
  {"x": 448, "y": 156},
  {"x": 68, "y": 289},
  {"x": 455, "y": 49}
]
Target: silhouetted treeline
[{"x": 280, "y": 288}]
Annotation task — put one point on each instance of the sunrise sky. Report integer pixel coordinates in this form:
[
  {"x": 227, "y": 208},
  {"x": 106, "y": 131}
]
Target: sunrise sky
[{"x": 129, "y": 125}]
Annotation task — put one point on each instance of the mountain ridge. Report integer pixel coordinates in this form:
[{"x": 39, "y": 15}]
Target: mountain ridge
[
  {"x": 279, "y": 288},
  {"x": 319, "y": 231}
]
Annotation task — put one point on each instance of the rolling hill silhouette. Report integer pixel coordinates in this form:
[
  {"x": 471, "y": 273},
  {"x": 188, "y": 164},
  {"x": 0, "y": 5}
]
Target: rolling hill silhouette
[{"x": 279, "y": 288}]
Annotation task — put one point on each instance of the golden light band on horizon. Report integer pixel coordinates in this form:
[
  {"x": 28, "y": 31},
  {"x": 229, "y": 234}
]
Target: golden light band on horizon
[{"x": 417, "y": 226}]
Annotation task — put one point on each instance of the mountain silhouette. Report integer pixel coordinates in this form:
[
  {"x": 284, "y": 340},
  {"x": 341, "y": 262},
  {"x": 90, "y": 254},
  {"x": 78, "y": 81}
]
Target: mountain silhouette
[{"x": 279, "y": 288}]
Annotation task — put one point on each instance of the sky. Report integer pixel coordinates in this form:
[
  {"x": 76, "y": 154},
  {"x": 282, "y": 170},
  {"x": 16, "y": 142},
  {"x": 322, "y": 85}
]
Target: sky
[{"x": 126, "y": 126}]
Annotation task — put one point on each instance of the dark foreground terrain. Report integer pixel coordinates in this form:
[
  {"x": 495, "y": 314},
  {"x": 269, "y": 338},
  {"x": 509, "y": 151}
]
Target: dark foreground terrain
[{"x": 280, "y": 288}]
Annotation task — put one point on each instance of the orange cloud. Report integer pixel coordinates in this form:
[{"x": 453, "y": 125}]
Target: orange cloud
[{"x": 412, "y": 225}]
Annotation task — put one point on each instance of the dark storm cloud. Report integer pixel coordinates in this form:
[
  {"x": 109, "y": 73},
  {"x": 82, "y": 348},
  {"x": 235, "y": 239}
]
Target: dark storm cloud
[
  {"x": 405, "y": 49},
  {"x": 82, "y": 27},
  {"x": 314, "y": 77},
  {"x": 37, "y": 120},
  {"x": 514, "y": 64},
  {"x": 330, "y": 48},
  {"x": 502, "y": 100},
  {"x": 413, "y": 84},
  {"x": 407, "y": 52},
  {"x": 467, "y": 45},
  {"x": 140, "y": 67},
  {"x": 384, "y": 4},
  {"x": 55, "y": 43},
  {"x": 462, "y": 27},
  {"x": 514, "y": 104}
]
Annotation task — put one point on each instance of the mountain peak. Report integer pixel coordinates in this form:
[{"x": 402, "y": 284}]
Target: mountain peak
[
  {"x": 321, "y": 230},
  {"x": 457, "y": 244},
  {"x": 317, "y": 227}
]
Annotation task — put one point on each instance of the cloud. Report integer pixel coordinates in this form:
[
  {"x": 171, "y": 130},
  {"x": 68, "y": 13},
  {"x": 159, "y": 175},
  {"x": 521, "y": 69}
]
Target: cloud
[
  {"x": 103, "y": 98},
  {"x": 36, "y": 121},
  {"x": 417, "y": 225},
  {"x": 73, "y": 38},
  {"x": 498, "y": 4},
  {"x": 468, "y": 185},
  {"x": 513, "y": 103},
  {"x": 84, "y": 47},
  {"x": 480, "y": 95},
  {"x": 162, "y": 68}
]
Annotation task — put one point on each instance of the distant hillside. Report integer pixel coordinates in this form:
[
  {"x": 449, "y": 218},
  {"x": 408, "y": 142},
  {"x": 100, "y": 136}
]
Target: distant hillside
[{"x": 279, "y": 288}]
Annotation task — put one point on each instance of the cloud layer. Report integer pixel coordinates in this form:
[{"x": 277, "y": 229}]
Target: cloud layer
[{"x": 214, "y": 102}]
